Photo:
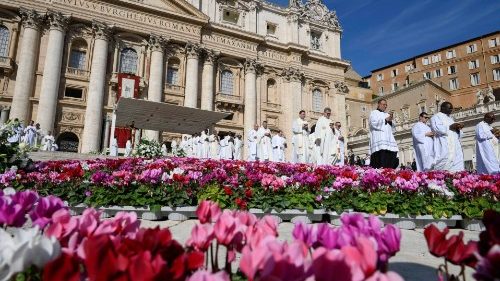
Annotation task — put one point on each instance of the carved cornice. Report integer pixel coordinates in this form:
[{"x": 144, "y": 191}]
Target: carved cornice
[
  {"x": 192, "y": 50},
  {"x": 292, "y": 74},
  {"x": 341, "y": 87},
  {"x": 316, "y": 12},
  {"x": 31, "y": 19},
  {"x": 101, "y": 30},
  {"x": 157, "y": 43},
  {"x": 58, "y": 21}
]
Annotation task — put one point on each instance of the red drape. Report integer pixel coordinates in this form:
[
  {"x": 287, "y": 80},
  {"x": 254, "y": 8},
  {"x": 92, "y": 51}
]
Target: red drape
[{"x": 122, "y": 135}]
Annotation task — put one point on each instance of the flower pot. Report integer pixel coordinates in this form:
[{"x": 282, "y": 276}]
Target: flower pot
[
  {"x": 334, "y": 218},
  {"x": 152, "y": 216},
  {"x": 290, "y": 214},
  {"x": 472, "y": 224},
  {"x": 441, "y": 223},
  {"x": 182, "y": 213}
]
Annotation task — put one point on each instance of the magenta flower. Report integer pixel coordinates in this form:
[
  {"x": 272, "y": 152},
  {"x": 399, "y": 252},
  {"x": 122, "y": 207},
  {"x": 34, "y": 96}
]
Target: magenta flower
[
  {"x": 11, "y": 214},
  {"x": 203, "y": 275},
  {"x": 43, "y": 211}
]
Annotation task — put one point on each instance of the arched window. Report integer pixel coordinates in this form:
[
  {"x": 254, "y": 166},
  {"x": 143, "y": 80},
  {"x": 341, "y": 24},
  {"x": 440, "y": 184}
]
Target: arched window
[
  {"x": 226, "y": 84},
  {"x": 317, "y": 100},
  {"x": 271, "y": 91},
  {"x": 78, "y": 54},
  {"x": 128, "y": 61},
  {"x": 173, "y": 71},
  {"x": 4, "y": 41}
]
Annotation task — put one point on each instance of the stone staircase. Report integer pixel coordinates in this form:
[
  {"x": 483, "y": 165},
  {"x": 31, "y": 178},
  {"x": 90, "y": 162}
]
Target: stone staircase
[{"x": 59, "y": 155}]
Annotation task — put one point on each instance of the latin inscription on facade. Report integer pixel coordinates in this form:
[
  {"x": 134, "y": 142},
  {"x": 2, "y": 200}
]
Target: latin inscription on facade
[
  {"x": 230, "y": 42},
  {"x": 130, "y": 15}
]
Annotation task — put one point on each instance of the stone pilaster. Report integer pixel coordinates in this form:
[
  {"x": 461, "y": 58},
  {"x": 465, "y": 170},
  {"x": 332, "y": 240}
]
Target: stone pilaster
[
  {"x": 156, "y": 74},
  {"x": 95, "y": 99},
  {"x": 293, "y": 78},
  {"x": 49, "y": 93},
  {"x": 250, "y": 111},
  {"x": 191, "y": 90},
  {"x": 31, "y": 21},
  {"x": 207, "y": 88}
]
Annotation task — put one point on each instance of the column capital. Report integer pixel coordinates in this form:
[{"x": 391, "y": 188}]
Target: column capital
[
  {"x": 31, "y": 19},
  {"x": 292, "y": 74},
  {"x": 341, "y": 87},
  {"x": 210, "y": 56},
  {"x": 251, "y": 65},
  {"x": 193, "y": 50},
  {"x": 58, "y": 21},
  {"x": 157, "y": 43},
  {"x": 101, "y": 30}
]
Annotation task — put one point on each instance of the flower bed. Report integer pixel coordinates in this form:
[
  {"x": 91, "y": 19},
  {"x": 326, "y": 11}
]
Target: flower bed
[
  {"x": 63, "y": 247},
  {"x": 174, "y": 182}
]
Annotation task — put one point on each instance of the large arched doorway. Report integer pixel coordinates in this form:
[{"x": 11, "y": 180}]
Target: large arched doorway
[{"x": 68, "y": 142}]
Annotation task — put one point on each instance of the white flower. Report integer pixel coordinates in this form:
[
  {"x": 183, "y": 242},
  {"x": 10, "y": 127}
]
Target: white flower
[
  {"x": 22, "y": 248},
  {"x": 9, "y": 191}
]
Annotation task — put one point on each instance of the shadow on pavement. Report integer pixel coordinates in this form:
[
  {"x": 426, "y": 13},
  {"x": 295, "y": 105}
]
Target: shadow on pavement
[{"x": 414, "y": 271}]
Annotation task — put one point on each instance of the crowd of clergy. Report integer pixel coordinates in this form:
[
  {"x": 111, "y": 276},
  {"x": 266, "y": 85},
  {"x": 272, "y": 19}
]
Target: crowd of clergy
[
  {"x": 32, "y": 135},
  {"x": 436, "y": 141}
]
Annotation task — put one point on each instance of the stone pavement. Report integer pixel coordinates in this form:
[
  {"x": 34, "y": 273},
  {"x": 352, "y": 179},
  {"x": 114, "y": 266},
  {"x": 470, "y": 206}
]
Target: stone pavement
[{"x": 413, "y": 262}]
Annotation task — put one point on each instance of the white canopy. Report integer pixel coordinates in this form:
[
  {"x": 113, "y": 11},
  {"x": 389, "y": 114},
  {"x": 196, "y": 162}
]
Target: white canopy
[{"x": 158, "y": 116}]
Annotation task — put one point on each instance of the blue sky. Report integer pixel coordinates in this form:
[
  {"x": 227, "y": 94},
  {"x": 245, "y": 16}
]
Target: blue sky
[{"x": 381, "y": 32}]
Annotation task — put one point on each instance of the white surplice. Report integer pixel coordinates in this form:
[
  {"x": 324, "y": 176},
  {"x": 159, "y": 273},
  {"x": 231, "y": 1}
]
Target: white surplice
[
  {"x": 322, "y": 128},
  {"x": 423, "y": 146},
  {"x": 128, "y": 148},
  {"x": 299, "y": 141},
  {"x": 330, "y": 152},
  {"x": 265, "y": 150},
  {"x": 226, "y": 148},
  {"x": 113, "y": 148},
  {"x": 381, "y": 133},
  {"x": 486, "y": 150},
  {"x": 214, "y": 147},
  {"x": 164, "y": 151},
  {"x": 448, "y": 154},
  {"x": 174, "y": 147},
  {"x": 341, "y": 158},
  {"x": 252, "y": 145},
  {"x": 278, "y": 143},
  {"x": 30, "y": 135},
  {"x": 196, "y": 147},
  {"x": 238, "y": 144}
]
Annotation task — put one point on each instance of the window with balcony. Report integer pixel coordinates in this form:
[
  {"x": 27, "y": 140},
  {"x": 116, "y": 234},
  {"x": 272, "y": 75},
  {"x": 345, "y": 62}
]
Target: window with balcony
[
  {"x": 77, "y": 59},
  {"x": 226, "y": 82},
  {"x": 496, "y": 74},
  {"x": 473, "y": 64},
  {"x": 4, "y": 41},
  {"x": 453, "y": 84},
  {"x": 474, "y": 79},
  {"x": 128, "y": 61},
  {"x": 172, "y": 75},
  {"x": 472, "y": 48},
  {"x": 315, "y": 40},
  {"x": 317, "y": 100}
]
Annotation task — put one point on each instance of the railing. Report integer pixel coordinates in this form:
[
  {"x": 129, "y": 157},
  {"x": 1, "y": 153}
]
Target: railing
[
  {"x": 220, "y": 97},
  {"x": 76, "y": 72},
  {"x": 174, "y": 89}
]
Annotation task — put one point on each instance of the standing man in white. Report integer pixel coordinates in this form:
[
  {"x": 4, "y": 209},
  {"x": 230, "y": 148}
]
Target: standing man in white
[
  {"x": 278, "y": 143},
  {"x": 423, "y": 143},
  {"x": 338, "y": 133},
  {"x": 383, "y": 146},
  {"x": 214, "y": 146},
  {"x": 238, "y": 145},
  {"x": 128, "y": 148},
  {"x": 49, "y": 142},
  {"x": 300, "y": 137},
  {"x": 322, "y": 129},
  {"x": 487, "y": 146},
  {"x": 252, "y": 143},
  {"x": 30, "y": 134},
  {"x": 447, "y": 147},
  {"x": 330, "y": 154},
  {"x": 265, "y": 150},
  {"x": 113, "y": 149}
]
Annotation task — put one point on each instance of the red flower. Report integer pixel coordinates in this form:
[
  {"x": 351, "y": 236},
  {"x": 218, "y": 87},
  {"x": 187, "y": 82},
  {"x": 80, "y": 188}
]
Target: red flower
[
  {"x": 248, "y": 192},
  {"x": 64, "y": 268},
  {"x": 459, "y": 253},
  {"x": 436, "y": 240},
  {"x": 228, "y": 190},
  {"x": 242, "y": 204},
  {"x": 248, "y": 183}
]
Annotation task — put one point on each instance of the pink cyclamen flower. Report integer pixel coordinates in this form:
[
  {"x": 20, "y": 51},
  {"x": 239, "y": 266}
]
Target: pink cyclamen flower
[
  {"x": 208, "y": 211},
  {"x": 201, "y": 237},
  {"x": 43, "y": 211},
  {"x": 203, "y": 275}
]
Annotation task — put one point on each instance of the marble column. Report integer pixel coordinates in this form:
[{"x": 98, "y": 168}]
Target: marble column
[
  {"x": 25, "y": 78},
  {"x": 156, "y": 74},
  {"x": 95, "y": 98},
  {"x": 207, "y": 80},
  {"x": 292, "y": 101},
  {"x": 191, "y": 90},
  {"x": 107, "y": 129},
  {"x": 250, "y": 111},
  {"x": 4, "y": 116},
  {"x": 47, "y": 105}
]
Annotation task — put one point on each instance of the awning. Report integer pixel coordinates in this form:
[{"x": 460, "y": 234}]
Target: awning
[{"x": 158, "y": 116}]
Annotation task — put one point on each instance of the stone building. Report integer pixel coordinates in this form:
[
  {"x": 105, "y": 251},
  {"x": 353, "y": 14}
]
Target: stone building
[
  {"x": 462, "y": 69},
  {"x": 62, "y": 61}
]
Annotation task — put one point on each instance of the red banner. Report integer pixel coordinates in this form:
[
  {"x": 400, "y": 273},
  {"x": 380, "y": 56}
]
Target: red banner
[
  {"x": 128, "y": 86},
  {"x": 122, "y": 135}
]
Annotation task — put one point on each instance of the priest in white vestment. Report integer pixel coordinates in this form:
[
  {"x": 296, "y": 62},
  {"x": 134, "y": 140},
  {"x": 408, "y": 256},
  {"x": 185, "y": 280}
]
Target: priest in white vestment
[
  {"x": 448, "y": 152},
  {"x": 238, "y": 145},
  {"x": 226, "y": 148},
  {"x": 321, "y": 130},
  {"x": 214, "y": 146},
  {"x": 174, "y": 147},
  {"x": 196, "y": 146},
  {"x": 184, "y": 145},
  {"x": 204, "y": 145},
  {"x": 30, "y": 134},
  {"x": 113, "y": 148},
  {"x": 39, "y": 135},
  {"x": 48, "y": 142},
  {"x": 341, "y": 143},
  {"x": 383, "y": 146},
  {"x": 330, "y": 154},
  {"x": 252, "y": 140},
  {"x": 164, "y": 150},
  {"x": 311, "y": 139},
  {"x": 300, "y": 139},
  {"x": 278, "y": 143},
  {"x": 264, "y": 151},
  {"x": 487, "y": 146},
  {"x": 423, "y": 143},
  {"x": 128, "y": 148}
]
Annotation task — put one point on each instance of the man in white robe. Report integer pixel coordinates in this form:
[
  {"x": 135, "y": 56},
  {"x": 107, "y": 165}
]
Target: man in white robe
[
  {"x": 448, "y": 154},
  {"x": 265, "y": 150},
  {"x": 238, "y": 145},
  {"x": 322, "y": 129},
  {"x": 184, "y": 145},
  {"x": 204, "y": 145},
  {"x": 214, "y": 146},
  {"x": 174, "y": 147},
  {"x": 30, "y": 134},
  {"x": 113, "y": 148},
  {"x": 18, "y": 130},
  {"x": 128, "y": 148},
  {"x": 383, "y": 146},
  {"x": 164, "y": 150},
  {"x": 487, "y": 146},
  {"x": 300, "y": 139},
  {"x": 278, "y": 143},
  {"x": 311, "y": 157},
  {"x": 423, "y": 143},
  {"x": 330, "y": 153},
  {"x": 196, "y": 146},
  {"x": 39, "y": 135},
  {"x": 252, "y": 140},
  {"x": 341, "y": 144},
  {"x": 226, "y": 148}
]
